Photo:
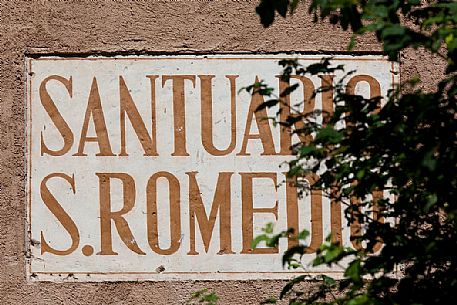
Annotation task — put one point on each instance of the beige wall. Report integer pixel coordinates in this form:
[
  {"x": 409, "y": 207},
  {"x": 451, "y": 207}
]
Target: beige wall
[{"x": 131, "y": 27}]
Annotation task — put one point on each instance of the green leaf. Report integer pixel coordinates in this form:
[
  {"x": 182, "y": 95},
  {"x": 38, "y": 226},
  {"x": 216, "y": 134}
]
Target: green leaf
[
  {"x": 258, "y": 239},
  {"x": 353, "y": 271},
  {"x": 306, "y": 150},
  {"x": 329, "y": 135},
  {"x": 333, "y": 254},
  {"x": 360, "y": 300},
  {"x": 328, "y": 281},
  {"x": 268, "y": 301},
  {"x": 303, "y": 235},
  {"x": 291, "y": 284},
  {"x": 203, "y": 296},
  {"x": 393, "y": 30},
  {"x": 287, "y": 257}
]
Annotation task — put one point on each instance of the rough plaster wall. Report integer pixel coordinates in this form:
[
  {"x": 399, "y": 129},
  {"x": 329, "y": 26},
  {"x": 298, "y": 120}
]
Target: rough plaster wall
[{"x": 113, "y": 27}]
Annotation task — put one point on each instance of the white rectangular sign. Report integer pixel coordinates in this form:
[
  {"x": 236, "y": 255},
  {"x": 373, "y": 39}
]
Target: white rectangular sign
[{"x": 158, "y": 167}]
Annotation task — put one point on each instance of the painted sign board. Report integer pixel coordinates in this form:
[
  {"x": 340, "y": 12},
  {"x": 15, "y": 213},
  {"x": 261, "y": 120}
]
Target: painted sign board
[{"x": 158, "y": 167}]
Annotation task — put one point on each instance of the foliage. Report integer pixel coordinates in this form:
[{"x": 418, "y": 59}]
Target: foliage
[
  {"x": 406, "y": 149},
  {"x": 203, "y": 297}
]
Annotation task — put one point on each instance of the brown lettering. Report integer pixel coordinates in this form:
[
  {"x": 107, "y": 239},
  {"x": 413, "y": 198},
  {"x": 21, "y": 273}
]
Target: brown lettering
[
  {"x": 175, "y": 213},
  {"x": 308, "y": 107},
  {"x": 94, "y": 109},
  {"x": 316, "y": 214},
  {"x": 327, "y": 98},
  {"x": 53, "y": 205},
  {"x": 335, "y": 217},
  {"x": 263, "y": 125},
  {"x": 375, "y": 87},
  {"x": 106, "y": 215},
  {"x": 207, "y": 115},
  {"x": 248, "y": 210},
  {"x": 56, "y": 117},
  {"x": 127, "y": 106},
  {"x": 356, "y": 227},
  {"x": 221, "y": 203},
  {"x": 179, "y": 111}
]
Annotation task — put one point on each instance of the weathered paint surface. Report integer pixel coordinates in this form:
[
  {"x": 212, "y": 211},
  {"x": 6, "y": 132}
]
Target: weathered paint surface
[{"x": 157, "y": 168}]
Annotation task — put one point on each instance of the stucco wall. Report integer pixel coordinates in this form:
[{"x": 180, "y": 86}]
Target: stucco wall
[{"x": 31, "y": 28}]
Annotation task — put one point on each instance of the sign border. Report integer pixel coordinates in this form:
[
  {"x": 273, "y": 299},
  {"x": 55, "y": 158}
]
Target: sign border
[{"x": 160, "y": 276}]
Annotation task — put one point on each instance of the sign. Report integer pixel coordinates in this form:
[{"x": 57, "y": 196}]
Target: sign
[{"x": 159, "y": 168}]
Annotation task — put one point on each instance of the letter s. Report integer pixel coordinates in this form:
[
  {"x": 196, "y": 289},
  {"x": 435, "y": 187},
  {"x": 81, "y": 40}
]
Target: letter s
[
  {"x": 56, "y": 117},
  {"x": 62, "y": 216}
]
